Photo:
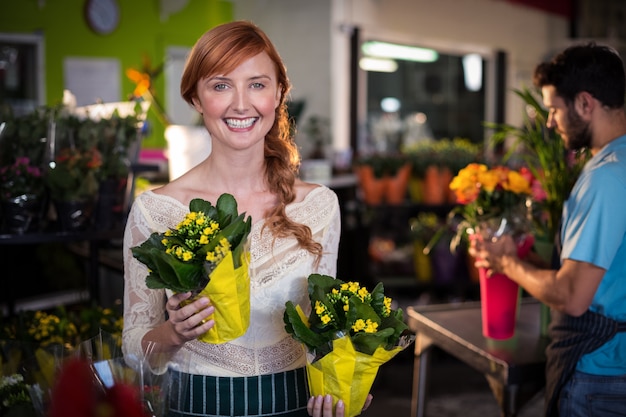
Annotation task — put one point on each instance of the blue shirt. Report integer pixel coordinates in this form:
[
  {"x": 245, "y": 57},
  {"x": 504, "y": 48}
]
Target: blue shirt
[{"x": 594, "y": 231}]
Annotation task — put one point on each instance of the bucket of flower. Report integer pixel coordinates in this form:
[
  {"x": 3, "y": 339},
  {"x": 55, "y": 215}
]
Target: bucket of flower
[
  {"x": 348, "y": 335},
  {"x": 492, "y": 202},
  {"x": 206, "y": 253}
]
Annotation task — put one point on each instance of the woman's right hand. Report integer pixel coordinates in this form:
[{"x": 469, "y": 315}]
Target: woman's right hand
[
  {"x": 191, "y": 320},
  {"x": 322, "y": 406}
]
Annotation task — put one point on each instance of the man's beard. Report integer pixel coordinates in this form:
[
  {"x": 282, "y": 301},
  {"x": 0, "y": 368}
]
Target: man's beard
[{"x": 577, "y": 131}]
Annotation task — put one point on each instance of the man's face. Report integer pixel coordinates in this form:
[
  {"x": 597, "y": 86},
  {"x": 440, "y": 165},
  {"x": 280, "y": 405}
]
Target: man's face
[{"x": 565, "y": 120}]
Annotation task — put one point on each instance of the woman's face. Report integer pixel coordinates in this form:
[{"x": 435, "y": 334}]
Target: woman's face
[{"x": 238, "y": 108}]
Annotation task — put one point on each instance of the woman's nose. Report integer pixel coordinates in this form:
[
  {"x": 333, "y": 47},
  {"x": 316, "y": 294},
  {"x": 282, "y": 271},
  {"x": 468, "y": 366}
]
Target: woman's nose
[{"x": 241, "y": 101}]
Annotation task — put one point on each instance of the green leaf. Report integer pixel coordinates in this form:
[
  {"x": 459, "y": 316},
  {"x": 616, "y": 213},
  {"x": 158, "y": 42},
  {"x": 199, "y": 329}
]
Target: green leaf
[
  {"x": 296, "y": 327},
  {"x": 203, "y": 206},
  {"x": 368, "y": 342},
  {"x": 357, "y": 309},
  {"x": 324, "y": 282},
  {"x": 235, "y": 233},
  {"x": 378, "y": 298},
  {"x": 226, "y": 209},
  {"x": 180, "y": 276},
  {"x": 143, "y": 252}
]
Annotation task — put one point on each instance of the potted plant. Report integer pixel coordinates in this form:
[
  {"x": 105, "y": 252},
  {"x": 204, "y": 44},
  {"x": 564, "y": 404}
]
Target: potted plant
[
  {"x": 383, "y": 177},
  {"x": 317, "y": 131},
  {"x": 22, "y": 195},
  {"x": 434, "y": 164},
  {"x": 423, "y": 228},
  {"x": 117, "y": 138},
  {"x": 73, "y": 184},
  {"x": 543, "y": 152},
  {"x": 22, "y": 155}
]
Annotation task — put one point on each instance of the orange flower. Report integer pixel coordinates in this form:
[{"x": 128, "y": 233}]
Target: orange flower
[
  {"x": 141, "y": 79},
  {"x": 489, "y": 193}
]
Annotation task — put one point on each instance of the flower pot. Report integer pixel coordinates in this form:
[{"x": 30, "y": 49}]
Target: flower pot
[
  {"x": 373, "y": 188},
  {"x": 23, "y": 213},
  {"x": 446, "y": 178},
  {"x": 74, "y": 215},
  {"x": 397, "y": 186},
  {"x": 499, "y": 299},
  {"x": 435, "y": 193},
  {"x": 416, "y": 189},
  {"x": 110, "y": 207},
  {"x": 421, "y": 262},
  {"x": 445, "y": 264},
  {"x": 545, "y": 249}
]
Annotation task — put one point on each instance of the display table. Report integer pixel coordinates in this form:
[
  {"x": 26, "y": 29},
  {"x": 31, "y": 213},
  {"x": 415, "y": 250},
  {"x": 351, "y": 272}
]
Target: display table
[
  {"x": 94, "y": 238},
  {"x": 514, "y": 368}
]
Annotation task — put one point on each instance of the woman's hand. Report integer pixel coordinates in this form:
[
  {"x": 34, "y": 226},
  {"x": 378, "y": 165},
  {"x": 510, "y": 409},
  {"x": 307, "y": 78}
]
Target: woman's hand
[
  {"x": 191, "y": 320},
  {"x": 322, "y": 406}
]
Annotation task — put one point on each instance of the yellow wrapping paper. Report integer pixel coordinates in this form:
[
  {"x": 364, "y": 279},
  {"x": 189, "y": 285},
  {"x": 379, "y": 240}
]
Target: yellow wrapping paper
[
  {"x": 229, "y": 292},
  {"x": 347, "y": 374}
]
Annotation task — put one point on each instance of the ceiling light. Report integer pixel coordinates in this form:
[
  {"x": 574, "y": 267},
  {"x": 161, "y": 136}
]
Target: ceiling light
[
  {"x": 378, "y": 64},
  {"x": 473, "y": 72},
  {"x": 390, "y": 104},
  {"x": 394, "y": 51}
]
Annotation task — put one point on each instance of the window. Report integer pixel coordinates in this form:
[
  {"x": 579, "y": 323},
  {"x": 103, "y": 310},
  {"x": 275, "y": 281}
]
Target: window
[
  {"x": 442, "y": 96},
  {"x": 21, "y": 72}
]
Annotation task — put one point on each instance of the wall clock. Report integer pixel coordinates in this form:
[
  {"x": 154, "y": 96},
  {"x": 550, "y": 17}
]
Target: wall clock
[{"x": 103, "y": 16}]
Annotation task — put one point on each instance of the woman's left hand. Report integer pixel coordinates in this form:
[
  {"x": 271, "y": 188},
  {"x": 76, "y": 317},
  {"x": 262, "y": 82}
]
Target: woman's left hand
[{"x": 322, "y": 406}]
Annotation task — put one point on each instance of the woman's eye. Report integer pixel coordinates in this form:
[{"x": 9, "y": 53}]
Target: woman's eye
[
  {"x": 220, "y": 87},
  {"x": 258, "y": 85}
]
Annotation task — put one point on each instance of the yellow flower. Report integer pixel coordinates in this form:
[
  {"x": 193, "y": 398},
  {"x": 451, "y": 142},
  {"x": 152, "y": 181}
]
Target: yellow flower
[
  {"x": 488, "y": 180},
  {"x": 323, "y": 313},
  {"x": 370, "y": 326},
  {"x": 387, "y": 303},
  {"x": 367, "y": 326},
  {"x": 517, "y": 183}
]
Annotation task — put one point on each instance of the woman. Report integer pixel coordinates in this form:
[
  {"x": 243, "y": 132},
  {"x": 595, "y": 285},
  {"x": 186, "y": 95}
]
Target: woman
[{"x": 237, "y": 82}]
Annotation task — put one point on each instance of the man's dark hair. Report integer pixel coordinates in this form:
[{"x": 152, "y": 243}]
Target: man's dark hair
[{"x": 593, "y": 68}]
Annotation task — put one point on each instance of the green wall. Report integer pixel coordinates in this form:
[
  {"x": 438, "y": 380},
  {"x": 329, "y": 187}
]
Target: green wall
[{"x": 141, "y": 32}]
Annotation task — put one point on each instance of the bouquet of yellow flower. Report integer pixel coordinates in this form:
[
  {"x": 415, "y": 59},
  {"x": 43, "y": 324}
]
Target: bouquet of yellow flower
[
  {"x": 348, "y": 334},
  {"x": 205, "y": 254}
]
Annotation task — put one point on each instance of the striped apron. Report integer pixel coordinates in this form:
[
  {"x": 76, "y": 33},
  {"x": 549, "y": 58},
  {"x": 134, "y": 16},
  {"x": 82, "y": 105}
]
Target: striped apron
[
  {"x": 284, "y": 394},
  {"x": 571, "y": 338}
]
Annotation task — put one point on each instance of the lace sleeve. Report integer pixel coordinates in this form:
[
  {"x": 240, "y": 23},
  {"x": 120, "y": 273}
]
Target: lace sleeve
[
  {"x": 330, "y": 243},
  {"x": 143, "y": 307}
]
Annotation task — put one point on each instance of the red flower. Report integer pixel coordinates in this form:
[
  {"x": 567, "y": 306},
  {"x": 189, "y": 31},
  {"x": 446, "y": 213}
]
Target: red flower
[
  {"x": 77, "y": 393},
  {"x": 125, "y": 401},
  {"x": 74, "y": 394}
]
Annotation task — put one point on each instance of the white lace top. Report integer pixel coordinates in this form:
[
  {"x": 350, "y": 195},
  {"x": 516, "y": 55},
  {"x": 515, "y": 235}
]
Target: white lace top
[{"x": 278, "y": 274}]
